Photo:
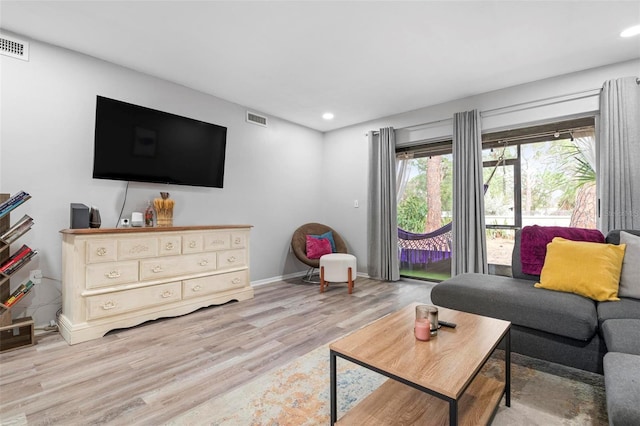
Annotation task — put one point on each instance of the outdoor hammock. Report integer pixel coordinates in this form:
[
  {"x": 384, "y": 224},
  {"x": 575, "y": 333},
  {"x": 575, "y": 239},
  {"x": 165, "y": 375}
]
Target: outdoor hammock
[{"x": 433, "y": 246}]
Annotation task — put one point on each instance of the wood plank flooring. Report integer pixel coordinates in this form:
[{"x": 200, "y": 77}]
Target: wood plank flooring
[{"x": 151, "y": 373}]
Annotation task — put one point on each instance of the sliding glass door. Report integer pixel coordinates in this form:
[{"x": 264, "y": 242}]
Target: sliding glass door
[
  {"x": 545, "y": 180},
  {"x": 533, "y": 176},
  {"x": 424, "y": 213}
]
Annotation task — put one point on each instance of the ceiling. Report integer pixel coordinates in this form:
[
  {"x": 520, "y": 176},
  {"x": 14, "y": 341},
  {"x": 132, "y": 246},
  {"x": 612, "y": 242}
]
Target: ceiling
[{"x": 361, "y": 60}]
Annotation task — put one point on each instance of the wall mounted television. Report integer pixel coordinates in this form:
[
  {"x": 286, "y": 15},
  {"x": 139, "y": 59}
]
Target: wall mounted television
[{"x": 135, "y": 143}]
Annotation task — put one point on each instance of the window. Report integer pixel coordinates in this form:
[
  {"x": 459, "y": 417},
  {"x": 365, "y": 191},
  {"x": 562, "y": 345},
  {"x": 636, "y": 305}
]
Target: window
[
  {"x": 537, "y": 177},
  {"x": 541, "y": 175}
]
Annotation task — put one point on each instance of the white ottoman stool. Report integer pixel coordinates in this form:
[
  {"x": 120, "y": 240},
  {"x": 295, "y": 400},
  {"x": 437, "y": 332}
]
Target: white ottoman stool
[{"x": 337, "y": 268}]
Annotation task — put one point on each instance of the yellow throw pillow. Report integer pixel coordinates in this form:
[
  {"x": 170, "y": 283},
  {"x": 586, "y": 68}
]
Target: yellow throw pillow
[{"x": 589, "y": 269}]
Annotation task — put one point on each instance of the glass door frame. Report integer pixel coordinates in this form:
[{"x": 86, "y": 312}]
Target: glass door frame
[{"x": 517, "y": 194}]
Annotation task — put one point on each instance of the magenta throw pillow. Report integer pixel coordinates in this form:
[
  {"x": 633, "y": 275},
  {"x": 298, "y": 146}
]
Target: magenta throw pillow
[{"x": 316, "y": 247}]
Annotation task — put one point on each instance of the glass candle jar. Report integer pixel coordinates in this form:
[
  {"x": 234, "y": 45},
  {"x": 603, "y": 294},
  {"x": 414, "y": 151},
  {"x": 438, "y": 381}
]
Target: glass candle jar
[{"x": 422, "y": 329}]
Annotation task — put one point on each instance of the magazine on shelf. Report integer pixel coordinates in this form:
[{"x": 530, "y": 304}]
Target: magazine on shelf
[
  {"x": 19, "y": 293},
  {"x": 20, "y": 263},
  {"x": 13, "y": 202},
  {"x": 17, "y": 230},
  {"x": 15, "y": 258}
]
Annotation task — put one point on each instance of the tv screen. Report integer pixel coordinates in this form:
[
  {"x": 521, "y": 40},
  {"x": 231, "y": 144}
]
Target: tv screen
[{"x": 140, "y": 144}]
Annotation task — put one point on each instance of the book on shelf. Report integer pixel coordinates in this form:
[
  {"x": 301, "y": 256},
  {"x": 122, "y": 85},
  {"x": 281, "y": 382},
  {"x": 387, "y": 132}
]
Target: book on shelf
[
  {"x": 19, "y": 293},
  {"x": 17, "y": 230},
  {"x": 13, "y": 202},
  {"x": 16, "y": 260}
]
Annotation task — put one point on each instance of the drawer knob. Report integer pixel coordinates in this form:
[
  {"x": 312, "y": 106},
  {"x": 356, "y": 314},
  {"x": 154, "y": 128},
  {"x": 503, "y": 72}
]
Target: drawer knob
[
  {"x": 109, "y": 304},
  {"x": 169, "y": 246},
  {"x": 236, "y": 281},
  {"x": 166, "y": 294},
  {"x": 113, "y": 274},
  {"x": 231, "y": 259},
  {"x": 101, "y": 251},
  {"x": 196, "y": 288},
  {"x": 204, "y": 262},
  {"x": 156, "y": 269},
  {"x": 238, "y": 240},
  {"x": 192, "y": 244}
]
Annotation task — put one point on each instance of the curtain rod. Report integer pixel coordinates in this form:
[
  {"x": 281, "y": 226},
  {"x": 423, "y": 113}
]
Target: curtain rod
[
  {"x": 559, "y": 132},
  {"x": 518, "y": 107}
]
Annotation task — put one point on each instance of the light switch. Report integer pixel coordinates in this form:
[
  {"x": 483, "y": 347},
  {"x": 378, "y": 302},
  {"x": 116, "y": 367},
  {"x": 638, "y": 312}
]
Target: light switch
[{"x": 355, "y": 204}]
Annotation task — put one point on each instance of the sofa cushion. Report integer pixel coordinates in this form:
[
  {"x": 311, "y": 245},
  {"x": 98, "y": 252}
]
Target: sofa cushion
[
  {"x": 518, "y": 301},
  {"x": 516, "y": 261},
  {"x": 585, "y": 268},
  {"x": 613, "y": 237},
  {"x": 630, "y": 277},
  {"x": 621, "y": 382},
  {"x": 622, "y": 335},
  {"x": 625, "y": 308}
]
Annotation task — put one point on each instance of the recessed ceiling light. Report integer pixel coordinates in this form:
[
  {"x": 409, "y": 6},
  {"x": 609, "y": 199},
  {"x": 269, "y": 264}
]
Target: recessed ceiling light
[
  {"x": 327, "y": 116},
  {"x": 631, "y": 31}
]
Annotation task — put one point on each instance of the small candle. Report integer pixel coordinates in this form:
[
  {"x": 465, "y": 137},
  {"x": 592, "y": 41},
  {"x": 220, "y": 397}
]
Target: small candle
[{"x": 422, "y": 329}]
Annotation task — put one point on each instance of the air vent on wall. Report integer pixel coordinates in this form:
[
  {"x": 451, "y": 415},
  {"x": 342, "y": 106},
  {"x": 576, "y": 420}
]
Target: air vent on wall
[
  {"x": 13, "y": 47},
  {"x": 256, "y": 119}
]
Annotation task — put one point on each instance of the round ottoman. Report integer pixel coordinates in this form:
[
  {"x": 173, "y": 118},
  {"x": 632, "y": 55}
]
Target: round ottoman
[{"x": 337, "y": 268}]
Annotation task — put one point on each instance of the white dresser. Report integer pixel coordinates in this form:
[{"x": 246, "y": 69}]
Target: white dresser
[{"x": 116, "y": 278}]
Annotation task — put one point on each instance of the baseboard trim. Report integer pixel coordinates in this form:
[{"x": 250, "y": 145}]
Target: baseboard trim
[{"x": 290, "y": 276}]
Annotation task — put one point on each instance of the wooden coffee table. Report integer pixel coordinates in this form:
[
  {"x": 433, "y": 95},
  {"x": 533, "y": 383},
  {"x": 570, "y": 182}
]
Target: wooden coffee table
[{"x": 432, "y": 380}]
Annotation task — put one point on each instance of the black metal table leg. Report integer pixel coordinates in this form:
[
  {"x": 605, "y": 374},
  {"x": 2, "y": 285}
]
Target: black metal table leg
[
  {"x": 453, "y": 412},
  {"x": 334, "y": 405}
]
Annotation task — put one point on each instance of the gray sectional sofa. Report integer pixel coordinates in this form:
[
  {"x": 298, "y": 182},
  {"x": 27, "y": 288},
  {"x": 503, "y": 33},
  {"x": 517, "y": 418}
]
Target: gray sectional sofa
[{"x": 560, "y": 327}]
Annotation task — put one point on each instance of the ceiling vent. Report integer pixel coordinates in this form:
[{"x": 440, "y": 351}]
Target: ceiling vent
[
  {"x": 254, "y": 118},
  {"x": 13, "y": 47}
]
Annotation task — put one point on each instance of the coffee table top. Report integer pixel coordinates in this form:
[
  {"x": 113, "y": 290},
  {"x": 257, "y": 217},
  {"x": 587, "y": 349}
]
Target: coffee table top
[{"x": 445, "y": 364}]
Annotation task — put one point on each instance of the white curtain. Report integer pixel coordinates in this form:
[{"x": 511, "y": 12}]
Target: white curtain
[
  {"x": 382, "y": 209},
  {"x": 618, "y": 159},
  {"x": 468, "y": 228}
]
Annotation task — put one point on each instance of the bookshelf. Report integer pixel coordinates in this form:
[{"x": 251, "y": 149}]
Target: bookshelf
[{"x": 19, "y": 332}]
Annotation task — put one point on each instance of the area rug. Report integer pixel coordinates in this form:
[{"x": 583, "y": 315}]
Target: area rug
[{"x": 298, "y": 394}]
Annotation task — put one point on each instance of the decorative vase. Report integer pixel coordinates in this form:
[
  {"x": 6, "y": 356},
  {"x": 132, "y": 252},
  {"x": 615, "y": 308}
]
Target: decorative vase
[
  {"x": 164, "y": 209},
  {"x": 94, "y": 218}
]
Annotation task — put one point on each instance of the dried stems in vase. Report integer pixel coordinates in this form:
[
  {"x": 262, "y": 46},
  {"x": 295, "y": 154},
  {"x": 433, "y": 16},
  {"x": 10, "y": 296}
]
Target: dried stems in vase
[{"x": 164, "y": 209}]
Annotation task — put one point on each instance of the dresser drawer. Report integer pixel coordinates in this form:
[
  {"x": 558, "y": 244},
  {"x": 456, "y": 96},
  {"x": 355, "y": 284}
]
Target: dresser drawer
[
  {"x": 170, "y": 246},
  {"x": 99, "y": 251},
  {"x": 232, "y": 259},
  {"x": 108, "y": 274},
  {"x": 238, "y": 240},
  {"x": 214, "y": 284},
  {"x": 214, "y": 241},
  {"x": 137, "y": 248},
  {"x": 192, "y": 243},
  {"x": 120, "y": 302},
  {"x": 167, "y": 267}
]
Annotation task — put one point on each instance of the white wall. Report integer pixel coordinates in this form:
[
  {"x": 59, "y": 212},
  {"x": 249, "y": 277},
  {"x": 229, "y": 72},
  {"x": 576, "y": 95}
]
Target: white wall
[
  {"x": 276, "y": 177},
  {"x": 346, "y": 150},
  {"x": 47, "y": 116}
]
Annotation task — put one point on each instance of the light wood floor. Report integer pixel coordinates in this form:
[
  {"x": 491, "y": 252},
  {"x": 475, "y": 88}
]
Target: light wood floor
[{"x": 151, "y": 373}]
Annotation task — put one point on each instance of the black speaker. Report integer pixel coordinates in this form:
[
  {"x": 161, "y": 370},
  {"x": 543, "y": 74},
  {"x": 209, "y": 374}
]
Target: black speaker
[{"x": 79, "y": 216}]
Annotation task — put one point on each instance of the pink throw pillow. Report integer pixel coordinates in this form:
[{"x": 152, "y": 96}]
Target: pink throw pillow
[{"x": 317, "y": 247}]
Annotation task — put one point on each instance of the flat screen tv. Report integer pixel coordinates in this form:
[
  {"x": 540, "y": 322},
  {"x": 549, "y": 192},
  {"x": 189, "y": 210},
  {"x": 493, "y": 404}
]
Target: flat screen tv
[{"x": 135, "y": 143}]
